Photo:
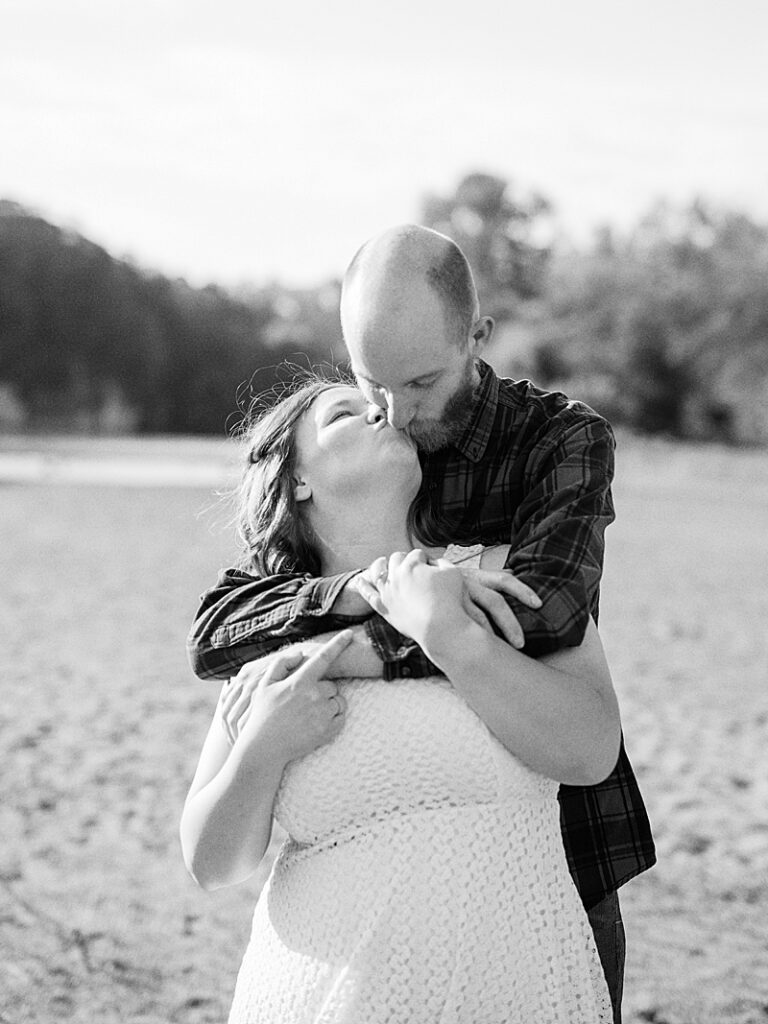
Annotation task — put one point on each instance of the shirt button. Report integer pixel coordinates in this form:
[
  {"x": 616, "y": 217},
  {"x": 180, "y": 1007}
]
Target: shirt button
[{"x": 405, "y": 672}]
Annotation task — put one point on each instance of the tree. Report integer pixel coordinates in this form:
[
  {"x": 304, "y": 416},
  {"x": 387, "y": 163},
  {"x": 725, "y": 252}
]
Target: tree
[
  {"x": 666, "y": 329},
  {"x": 89, "y": 342},
  {"x": 506, "y": 238}
]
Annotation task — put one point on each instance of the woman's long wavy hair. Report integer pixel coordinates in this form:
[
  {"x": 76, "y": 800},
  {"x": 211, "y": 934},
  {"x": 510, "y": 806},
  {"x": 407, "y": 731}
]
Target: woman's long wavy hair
[
  {"x": 272, "y": 525},
  {"x": 273, "y": 528}
]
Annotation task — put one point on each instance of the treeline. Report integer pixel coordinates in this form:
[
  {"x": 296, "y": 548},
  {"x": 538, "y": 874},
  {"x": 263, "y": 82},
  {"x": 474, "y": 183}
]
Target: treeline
[
  {"x": 92, "y": 343},
  {"x": 664, "y": 329}
]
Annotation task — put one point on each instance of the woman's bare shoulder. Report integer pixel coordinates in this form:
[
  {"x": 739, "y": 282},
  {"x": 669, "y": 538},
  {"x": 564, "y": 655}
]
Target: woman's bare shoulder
[{"x": 494, "y": 557}]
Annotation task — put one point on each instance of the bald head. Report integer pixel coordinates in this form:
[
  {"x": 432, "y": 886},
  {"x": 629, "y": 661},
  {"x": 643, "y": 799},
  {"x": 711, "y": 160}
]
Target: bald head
[
  {"x": 412, "y": 328},
  {"x": 391, "y": 268}
]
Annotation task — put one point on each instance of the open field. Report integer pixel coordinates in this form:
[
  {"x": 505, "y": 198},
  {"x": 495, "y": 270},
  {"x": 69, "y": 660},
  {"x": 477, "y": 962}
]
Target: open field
[{"x": 101, "y": 723}]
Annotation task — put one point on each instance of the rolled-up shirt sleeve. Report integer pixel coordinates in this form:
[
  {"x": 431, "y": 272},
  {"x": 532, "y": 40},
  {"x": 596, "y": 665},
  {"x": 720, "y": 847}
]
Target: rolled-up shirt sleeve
[
  {"x": 243, "y": 617},
  {"x": 401, "y": 657}
]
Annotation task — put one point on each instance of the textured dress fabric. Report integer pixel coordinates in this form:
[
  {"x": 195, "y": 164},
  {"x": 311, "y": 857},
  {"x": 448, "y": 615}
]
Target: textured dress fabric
[{"x": 424, "y": 878}]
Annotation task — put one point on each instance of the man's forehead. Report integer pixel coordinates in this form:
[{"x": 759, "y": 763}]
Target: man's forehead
[{"x": 391, "y": 372}]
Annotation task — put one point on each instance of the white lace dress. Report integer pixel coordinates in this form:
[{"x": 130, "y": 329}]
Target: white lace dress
[{"x": 424, "y": 879}]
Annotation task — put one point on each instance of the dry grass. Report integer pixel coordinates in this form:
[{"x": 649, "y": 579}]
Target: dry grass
[{"x": 101, "y": 723}]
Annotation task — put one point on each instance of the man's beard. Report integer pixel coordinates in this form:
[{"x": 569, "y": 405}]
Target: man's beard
[{"x": 433, "y": 435}]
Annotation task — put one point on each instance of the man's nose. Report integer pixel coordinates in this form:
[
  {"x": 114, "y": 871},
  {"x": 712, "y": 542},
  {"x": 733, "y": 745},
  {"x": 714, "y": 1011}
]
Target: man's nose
[{"x": 399, "y": 411}]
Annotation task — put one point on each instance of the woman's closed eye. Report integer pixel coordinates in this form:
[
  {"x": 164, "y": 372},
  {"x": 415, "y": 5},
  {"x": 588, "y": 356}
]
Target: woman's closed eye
[{"x": 338, "y": 414}]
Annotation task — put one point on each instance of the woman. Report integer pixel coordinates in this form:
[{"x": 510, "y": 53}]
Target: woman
[{"x": 424, "y": 877}]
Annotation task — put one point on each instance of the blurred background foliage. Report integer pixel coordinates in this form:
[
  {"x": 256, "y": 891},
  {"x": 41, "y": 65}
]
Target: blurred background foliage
[{"x": 663, "y": 329}]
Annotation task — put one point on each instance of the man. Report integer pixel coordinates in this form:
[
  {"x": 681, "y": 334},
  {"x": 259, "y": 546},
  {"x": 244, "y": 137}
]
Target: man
[{"x": 503, "y": 463}]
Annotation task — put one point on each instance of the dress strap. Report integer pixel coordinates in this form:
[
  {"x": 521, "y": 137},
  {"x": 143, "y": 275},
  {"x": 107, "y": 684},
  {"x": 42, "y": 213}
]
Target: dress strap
[{"x": 466, "y": 556}]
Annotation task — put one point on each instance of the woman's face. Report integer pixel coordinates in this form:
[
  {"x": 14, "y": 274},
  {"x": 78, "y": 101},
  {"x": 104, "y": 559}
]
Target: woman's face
[{"x": 345, "y": 446}]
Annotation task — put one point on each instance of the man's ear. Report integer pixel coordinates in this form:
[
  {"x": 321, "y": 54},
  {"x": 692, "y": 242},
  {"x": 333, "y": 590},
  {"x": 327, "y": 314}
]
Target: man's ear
[
  {"x": 301, "y": 490},
  {"x": 482, "y": 330}
]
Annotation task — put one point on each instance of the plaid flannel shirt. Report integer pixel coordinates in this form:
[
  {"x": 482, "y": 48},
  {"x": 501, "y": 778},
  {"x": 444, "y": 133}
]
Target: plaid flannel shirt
[{"x": 532, "y": 470}]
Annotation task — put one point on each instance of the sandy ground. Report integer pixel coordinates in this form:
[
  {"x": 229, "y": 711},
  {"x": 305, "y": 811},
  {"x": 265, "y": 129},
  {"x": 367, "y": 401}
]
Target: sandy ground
[{"x": 101, "y": 723}]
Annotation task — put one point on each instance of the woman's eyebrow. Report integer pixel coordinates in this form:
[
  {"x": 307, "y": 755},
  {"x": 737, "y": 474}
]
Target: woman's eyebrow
[{"x": 339, "y": 403}]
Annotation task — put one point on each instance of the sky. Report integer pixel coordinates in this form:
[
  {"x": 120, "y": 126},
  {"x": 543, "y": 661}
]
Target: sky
[{"x": 243, "y": 143}]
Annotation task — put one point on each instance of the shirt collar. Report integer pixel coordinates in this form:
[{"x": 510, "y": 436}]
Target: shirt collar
[{"x": 474, "y": 441}]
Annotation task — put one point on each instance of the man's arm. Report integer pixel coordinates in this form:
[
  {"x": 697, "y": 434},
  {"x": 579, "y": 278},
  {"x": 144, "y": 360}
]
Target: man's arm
[
  {"x": 557, "y": 537},
  {"x": 244, "y": 617}
]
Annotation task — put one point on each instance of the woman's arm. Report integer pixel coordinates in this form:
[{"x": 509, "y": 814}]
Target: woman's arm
[
  {"x": 226, "y": 823},
  {"x": 558, "y": 714},
  {"x": 227, "y": 818}
]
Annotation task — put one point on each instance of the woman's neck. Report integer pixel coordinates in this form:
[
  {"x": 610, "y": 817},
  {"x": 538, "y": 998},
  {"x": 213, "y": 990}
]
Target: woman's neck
[{"x": 354, "y": 537}]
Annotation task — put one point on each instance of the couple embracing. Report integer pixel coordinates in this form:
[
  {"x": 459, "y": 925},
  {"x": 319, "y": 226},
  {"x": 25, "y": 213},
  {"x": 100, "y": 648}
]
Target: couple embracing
[{"x": 431, "y": 718}]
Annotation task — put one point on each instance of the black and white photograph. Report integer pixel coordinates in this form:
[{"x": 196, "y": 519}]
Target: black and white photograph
[{"x": 383, "y": 513}]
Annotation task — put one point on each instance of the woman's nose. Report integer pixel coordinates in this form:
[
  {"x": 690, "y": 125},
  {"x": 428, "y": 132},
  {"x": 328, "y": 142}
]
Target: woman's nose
[{"x": 376, "y": 413}]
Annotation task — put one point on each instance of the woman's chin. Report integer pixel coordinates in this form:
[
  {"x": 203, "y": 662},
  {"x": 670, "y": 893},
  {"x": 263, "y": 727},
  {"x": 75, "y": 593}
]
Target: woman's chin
[{"x": 399, "y": 440}]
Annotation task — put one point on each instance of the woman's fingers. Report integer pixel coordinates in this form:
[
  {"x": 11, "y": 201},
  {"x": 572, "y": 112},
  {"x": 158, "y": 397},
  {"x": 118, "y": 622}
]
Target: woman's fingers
[
  {"x": 240, "y": 687},
  {"x": 317, "y": 665},
  {"x": 371, "y": 594},
  {"x": 377, "y": 570},
  {"x": 283, "y": 664},
  {"x": 237, "y": 711},
  {"x": 396, "y": 559},
  {"x": 477, "y": 614},
  {"x": 370, "y": 580},
  {"x": 236, "y": 697},
  {"x": 505, "y": 582},
  {"x": 339, "y": 704},
  {"x": 415, "y": 557},
  {"x": 226, "y": 700},
  {"x": 498, "y": 611},
  {"x": 229, "y": 694}
]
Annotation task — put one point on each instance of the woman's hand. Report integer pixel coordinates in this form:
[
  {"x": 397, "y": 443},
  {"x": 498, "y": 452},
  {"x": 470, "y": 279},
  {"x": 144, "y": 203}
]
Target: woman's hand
[
  {"x": 486, "y": 601},
  {"x": 423, "y": 600},
  {"x": 484, "y": 597},
  {"x": 288, "y": 706}
]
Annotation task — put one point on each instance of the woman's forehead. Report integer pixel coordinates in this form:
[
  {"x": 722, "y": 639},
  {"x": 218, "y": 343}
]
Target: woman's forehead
[
  {"x": 336, "y": 395},
  {"x": 311, "y": 419}
]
